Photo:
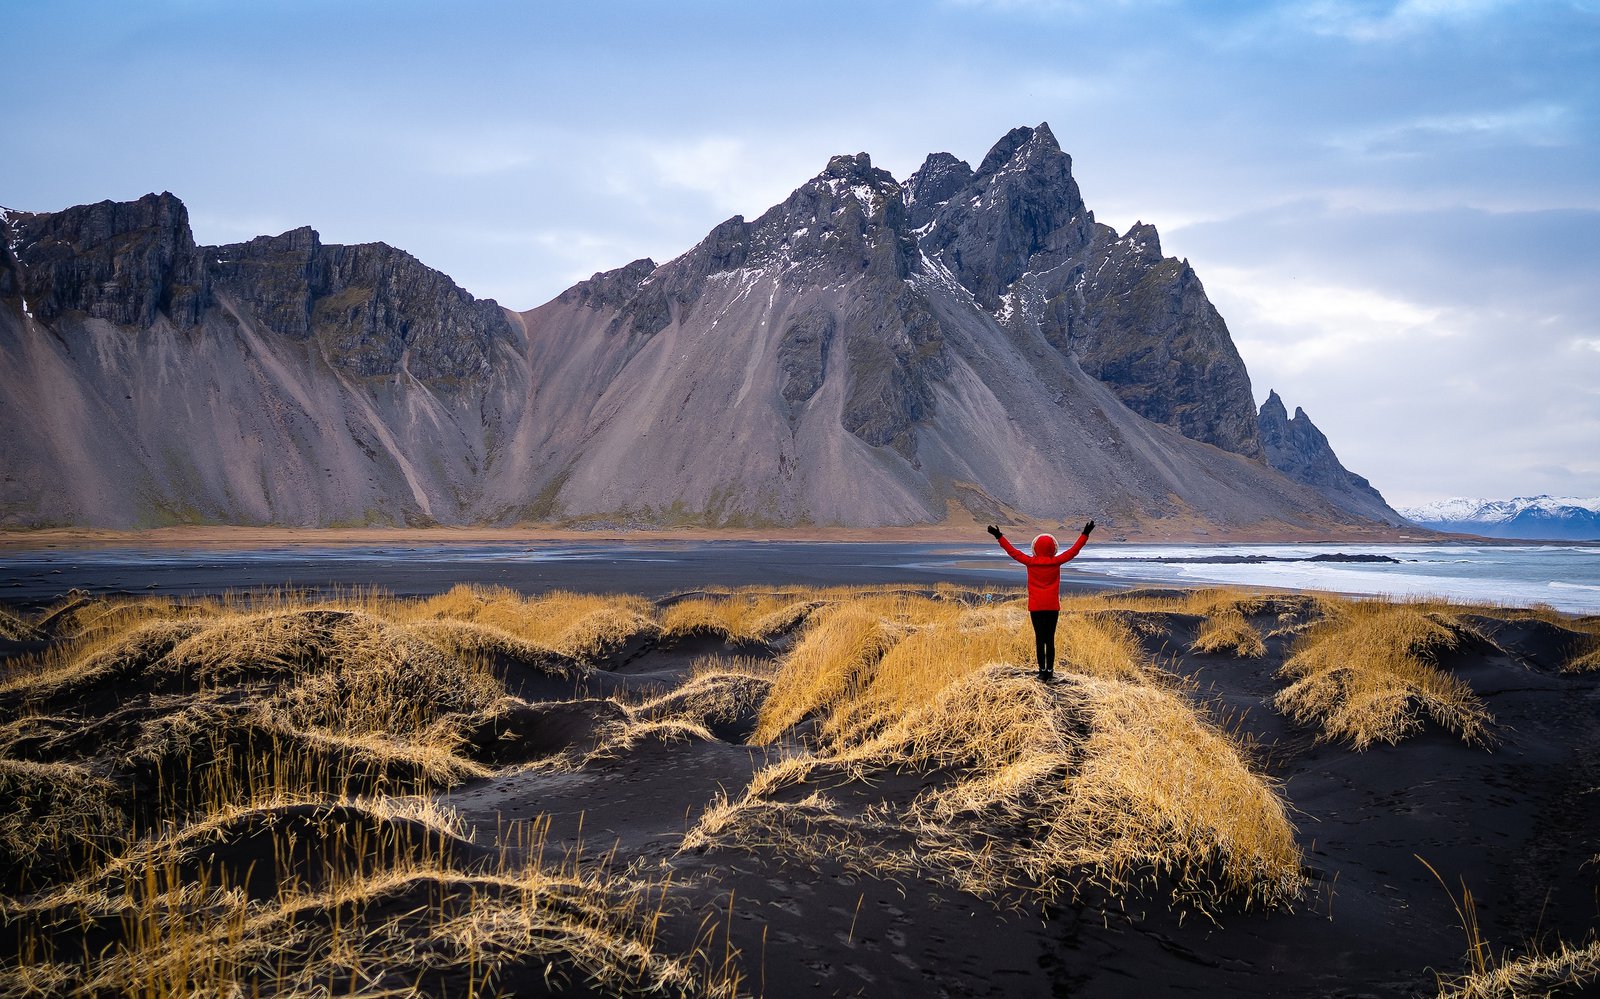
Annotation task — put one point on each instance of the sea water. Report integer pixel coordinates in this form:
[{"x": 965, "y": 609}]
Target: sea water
[{"x": 1566, "y": 577}]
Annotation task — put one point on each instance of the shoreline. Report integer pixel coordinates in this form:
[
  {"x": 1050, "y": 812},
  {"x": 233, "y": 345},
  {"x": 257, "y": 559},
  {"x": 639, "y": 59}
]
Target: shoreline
[{"x": 247, "y": 538}]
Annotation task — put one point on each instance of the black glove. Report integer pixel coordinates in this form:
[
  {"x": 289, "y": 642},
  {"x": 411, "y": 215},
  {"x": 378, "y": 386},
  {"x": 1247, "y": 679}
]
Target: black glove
[
  {"x": 1088, "y": 528},
  {"x": 994, "y": 531}
]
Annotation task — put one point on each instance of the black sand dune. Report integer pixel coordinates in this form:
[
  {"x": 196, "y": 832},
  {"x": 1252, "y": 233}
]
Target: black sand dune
[{"x": 600, "y": 765}]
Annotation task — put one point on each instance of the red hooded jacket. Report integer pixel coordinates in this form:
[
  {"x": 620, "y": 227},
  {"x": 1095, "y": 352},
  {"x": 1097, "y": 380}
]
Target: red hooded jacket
[{"x": 1044, "y": 569}]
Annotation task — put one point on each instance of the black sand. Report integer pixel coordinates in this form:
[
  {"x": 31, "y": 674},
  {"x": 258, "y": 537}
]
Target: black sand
[{"x": 1519, "y": 824}]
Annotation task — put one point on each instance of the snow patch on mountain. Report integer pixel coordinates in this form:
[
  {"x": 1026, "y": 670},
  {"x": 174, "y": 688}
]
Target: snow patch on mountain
[{"x": 1495, "y": 511}]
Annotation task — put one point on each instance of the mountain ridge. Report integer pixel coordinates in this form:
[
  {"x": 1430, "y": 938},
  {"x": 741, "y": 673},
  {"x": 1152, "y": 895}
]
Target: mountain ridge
[
  {"x": 1536, "y": 518},
  {"x": 864, "y": 353}
]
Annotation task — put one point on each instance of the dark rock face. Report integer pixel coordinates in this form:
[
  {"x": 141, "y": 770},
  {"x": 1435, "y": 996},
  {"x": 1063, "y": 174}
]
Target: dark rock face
[
  {"x": 1300, "y": 451},
  {"x": 1021, "y": 211},
  {"x": 803, "y": 355},
  {"x": 895, "y": 347},
  {"x": 1147, "y": 329},
  {"x": 612, "y": 288},
  {"x": 1018, "y": 236},
  {"x": 124, "y": 262},
  {"x": 933, "y": 185},
  {"x": 372, "y": 308}
]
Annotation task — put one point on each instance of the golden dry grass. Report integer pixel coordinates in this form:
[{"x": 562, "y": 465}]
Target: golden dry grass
[
  {"x": 14, "y": 629},
  {"x": 747, "y": 615},
  {"x": 260, "y": 703},
  {"x": 359, "y": 931},
  {"x": 55, "y": 814},
  {"x": 1226, "y": 630},
  {"x": 1563, "y": 971},
  {"x": 583, "y": 625},
  {"x": 1111, "y": 776},
  {"x": 1587, "y": 662},
  {"x": 927, "y": 750},
  {"x": 1366, "y": 674},
  {"x": 829, "y": 663}
]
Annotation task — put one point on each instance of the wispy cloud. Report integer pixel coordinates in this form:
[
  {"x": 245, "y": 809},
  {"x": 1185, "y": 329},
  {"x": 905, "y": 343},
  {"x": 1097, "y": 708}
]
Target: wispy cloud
[
  {"x": 1360, "y": 22},
  {"x": 1543, "y": 124},
  {"x": 1297, "y": 326}
]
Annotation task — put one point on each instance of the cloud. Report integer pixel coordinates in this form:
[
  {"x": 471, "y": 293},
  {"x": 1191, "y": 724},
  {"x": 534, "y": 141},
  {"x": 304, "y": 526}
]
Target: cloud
[
  {"x": 1424, "y": 396},
  {"x": 1542, "y": 124},
  {"x": 1358, "y": 22},
  {"x": 725, "y": 170}
]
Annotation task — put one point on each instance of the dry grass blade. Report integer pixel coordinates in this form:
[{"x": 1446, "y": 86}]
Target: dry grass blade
[{"x": 1588, "y": 662}]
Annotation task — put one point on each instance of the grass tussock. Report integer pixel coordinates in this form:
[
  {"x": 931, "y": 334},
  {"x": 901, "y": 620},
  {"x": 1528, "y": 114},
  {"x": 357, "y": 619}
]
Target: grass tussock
[
  {"x": 1226, "y": 630},
  {"x": 740, "y": 617},
  {"x": 1567, "y": 970},
  {"x": 946, "y": 757},
  {"x": 210, "y": 797},
  {"x": 1588, "y": 662},
  {"x": 368, "y": 918},
  {"x": 14, "y": 629},
  {"x": 56, "y": 817},
  {"x": 830, "y": 663},
  {"x": 1366, "y": 673},
  {"x": 582, "y": 625}
]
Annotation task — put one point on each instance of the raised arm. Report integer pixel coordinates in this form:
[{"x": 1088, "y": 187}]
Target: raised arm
[
  {"x": 1010, "y": 548},
  {"x": 1077, "y": 546}
]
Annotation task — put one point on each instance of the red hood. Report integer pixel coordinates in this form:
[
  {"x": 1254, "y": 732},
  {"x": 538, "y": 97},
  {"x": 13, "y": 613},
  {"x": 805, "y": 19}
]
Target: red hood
[{"x": 1044, "y": 545}]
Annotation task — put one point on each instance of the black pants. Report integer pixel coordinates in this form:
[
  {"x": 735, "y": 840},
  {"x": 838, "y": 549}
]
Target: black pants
[{"x": 1044, "y": 637}]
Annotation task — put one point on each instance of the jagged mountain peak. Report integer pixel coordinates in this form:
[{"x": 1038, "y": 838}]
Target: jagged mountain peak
[
  {"x": 1143, "y": 238},
  {"x": 933, "y": 184},
  {"x": 1298, "y": 449},
  {"x": 1020, "y": 148},
  {"x": 610, "y": 288},
  {"x": 1275, "y": 411},
  {"x": 849, "y": 218}
]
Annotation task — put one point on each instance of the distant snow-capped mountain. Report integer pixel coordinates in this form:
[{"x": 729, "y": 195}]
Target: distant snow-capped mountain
[{"x": 1561, "y": 518}]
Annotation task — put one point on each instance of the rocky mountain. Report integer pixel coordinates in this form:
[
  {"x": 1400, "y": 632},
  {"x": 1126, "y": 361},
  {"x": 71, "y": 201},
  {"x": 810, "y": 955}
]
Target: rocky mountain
[
  {"x": 1539, "y": 518},
  {"x": 968, "y": 344},
  {"x": 1299, "y": 450}
]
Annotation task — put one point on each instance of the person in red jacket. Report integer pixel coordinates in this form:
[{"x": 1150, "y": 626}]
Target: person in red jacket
[{"x": 1044, "y": 589}]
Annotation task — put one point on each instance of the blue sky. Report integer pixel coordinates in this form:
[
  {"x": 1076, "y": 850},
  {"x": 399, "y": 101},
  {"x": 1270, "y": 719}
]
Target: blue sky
[{"x": 1395, "y": 205}]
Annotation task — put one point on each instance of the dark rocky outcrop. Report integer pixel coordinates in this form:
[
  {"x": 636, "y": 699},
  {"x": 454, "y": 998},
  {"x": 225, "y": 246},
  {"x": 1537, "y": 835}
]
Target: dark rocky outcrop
[
  {"x": 372, "y": 308},
  {"x": 613, "y": 288},
  {"x": 124, "y": 262},
  {"x": 1018, "y": 236},
  {"x": 1300, "y": 451},
  {"x": 803, "y": 355},
  {"x": 895, "y": 347}
]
